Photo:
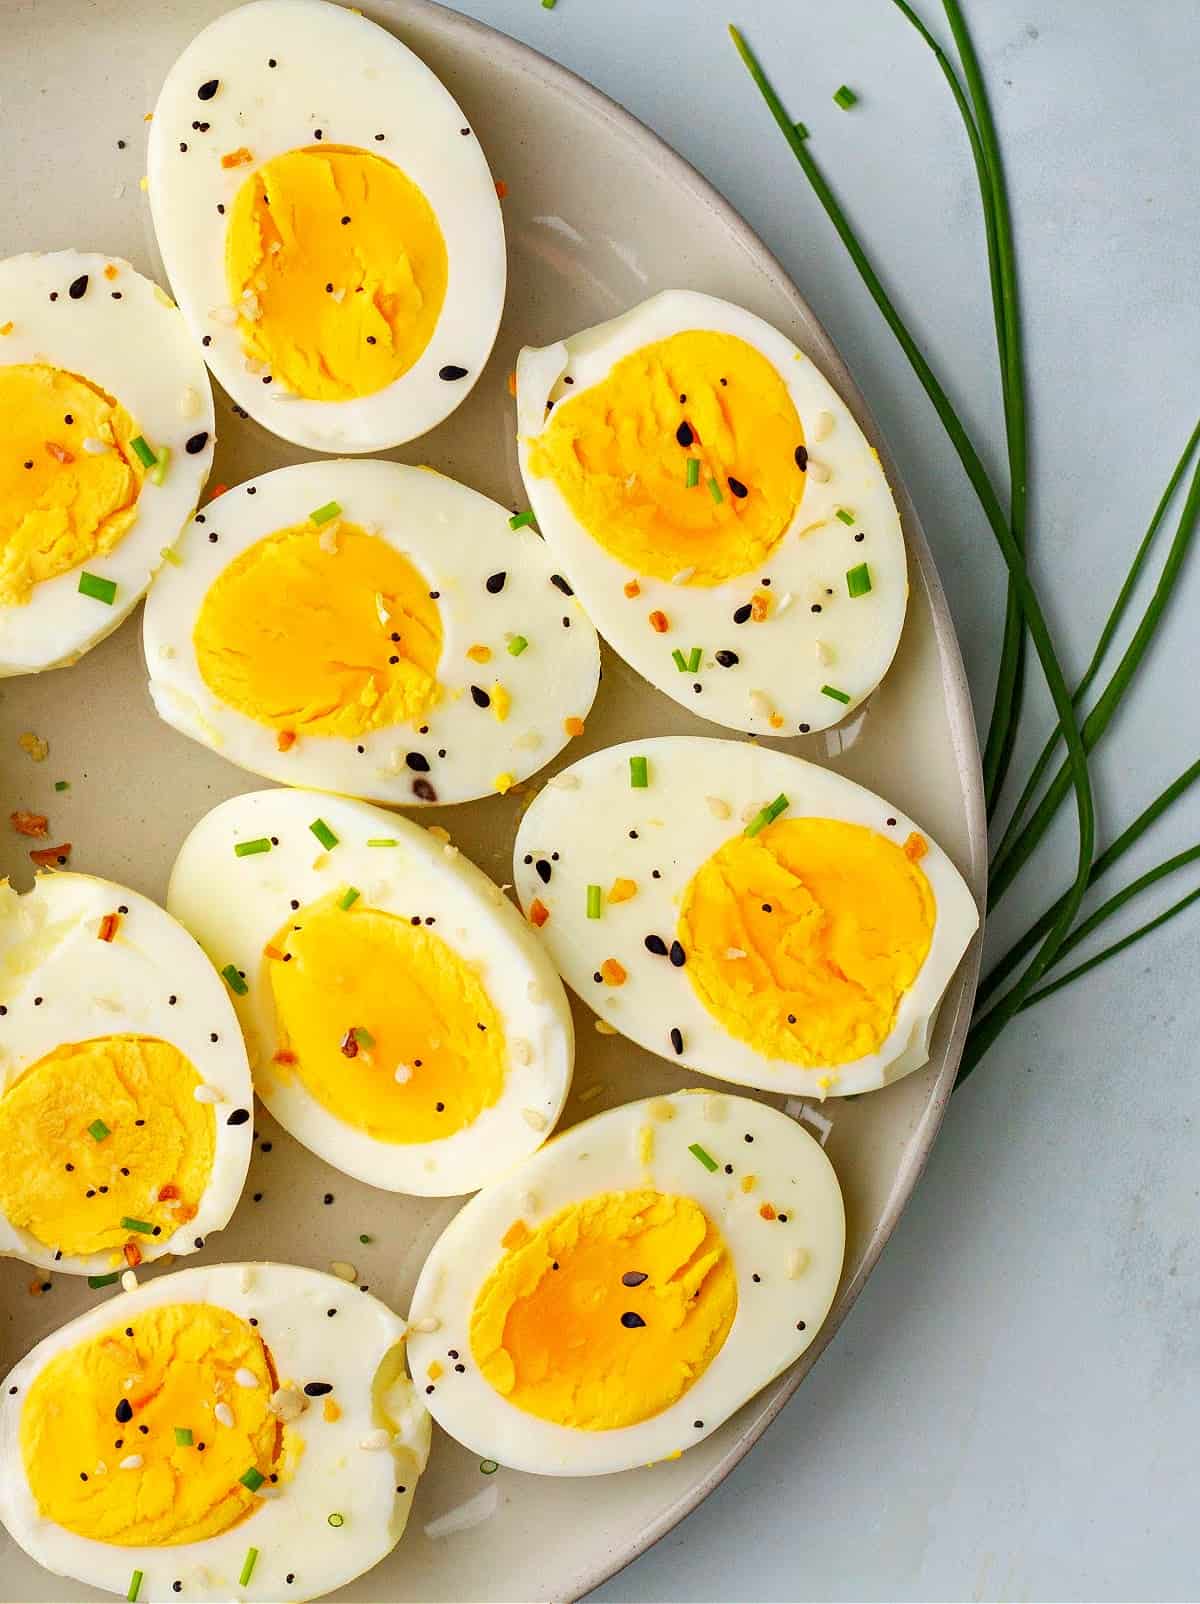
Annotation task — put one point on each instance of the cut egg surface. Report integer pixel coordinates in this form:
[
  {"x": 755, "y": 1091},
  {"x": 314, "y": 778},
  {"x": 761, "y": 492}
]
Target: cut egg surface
[
  {"x": 745, "y": 913},
  {"x": 402, "y": 1020},
  {"x": 725, "y": 521},
  {"x": 231, "y": 1431},
  {"x": 371, "y": 629},
  {"x": 106, "y": 439},
  {"x": 125, "y": 1098},
  {"x": 616, "y": 1297},
  {"x": 329, "y": 224}
]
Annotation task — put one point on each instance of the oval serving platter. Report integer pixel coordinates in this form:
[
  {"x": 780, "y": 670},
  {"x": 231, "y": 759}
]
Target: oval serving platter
[{"x": 599, "y": 214}]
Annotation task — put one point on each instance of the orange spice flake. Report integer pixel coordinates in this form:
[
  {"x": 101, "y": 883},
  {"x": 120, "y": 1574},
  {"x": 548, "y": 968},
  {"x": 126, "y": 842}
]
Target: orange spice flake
[
  {"x": 332, "y": 1410},
  {"x": 133, "y": 1255},
  {"x": 285, "y": 740},
  {"x": 512, "y": 382},
  {"x": 479, "y": 654},
  {"x": 111, "y": 271},
  {"x": 632, "y": 588},
  {"x": 760, "y": 606},
  {"x": 435, "y": 1372},
  {"x": 915, "y": 847},
  {"x": 109, "y": 926},
  {"x": 622, "y": 890},
  {"x": 516, "y": 1236},
  {"x": 766, "y": 1211},
  {"x": 538, "y": 913},
  {"x": 185, "y": 1212},
  {"x": 240, "y": 157},
  {"x": 501, "y": 189},
  {"x": 36, "y": 824},
  {"x": 613, "y": 972},
  {"x": 658, "y": 622},
  {"x": 573, "y": 726},
  {"x": 36, "y": 1287},
  {"x": 59, "y": 453},
  {"x": 776, "y": 721},
  {"x": 6, "y": 328},
  {"x": 218, "y": 490},
  {"x": 51, "y": 857},
  {"x": 271, "y": 951}
]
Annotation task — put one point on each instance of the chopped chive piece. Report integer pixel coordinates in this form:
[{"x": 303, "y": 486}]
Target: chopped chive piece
[
  {"x": 183, "y": 1436},
  {"x": 349, "y": 897},
  {"x": 247, "y": 849},
  {"x": 364, "y": 1239},
  {"x": 705, "y": 1157},
  {"x": 135, "y": 1581},
  {"x": 846, "y": 516},
  {"x": 522, "y": 520},
  {"x": 62, "y": 785},
  {"x": 234, "y": 980},
  {"x": 248, "y": 1564},
  {"x": 170, "y": 555},
  {"x": 693, "y": 473},
  {"x": 323, "y": 834},
  {"x": 639, "y": 777},
  {"x": 767, "y": 815},
  {"x": 694, "y": 657},
  {"x": 143, "y": 1227},
  {"x": 161, "y": 463},
  {"x": 845, "y": 97},
  {"x": 858, "y": 580},
  {"x": 714, "y": 490},
  {"x": 832, "y": 690},
  {"x": 98, "y": 1130},
  {"x": 336, "y": 1520},
  {"x": 517, "y": 645},
  {"x": 679, "y": 660},
  {"x": 144, "y": 452},
  {"x": 489, "y": 1467},
  {"x": 383, "y": 841},
  {"x": 253, "y": 1479},
  {"x": 98, "y": 1281},
  {"x": 593, "y": 902},
  {"x": 98, "y": 588},
  {"x": 331, "y": 509},
  {"x": 363, "y": 1036}
]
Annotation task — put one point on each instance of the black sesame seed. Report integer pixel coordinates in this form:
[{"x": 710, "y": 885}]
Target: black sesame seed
[
  {"x": 676, "y": 1038},
  {"x": 816, "y": 607},
  {"x": 451, "y": 372},
  {"x": 727, "y": 659},
  {"x": 756, "y": 1277},
  {"x": 560, "y": 583},
  {"x": 124, "y": 1411},
  {"x": 78, "y": 288},
  {"x": 370, "y": 339},
  {"x": 120, "y": 144},
  {"x": 729, "y": 1169},
  {"x": 83, "y": 1475},
  {"x": 748, "y": 1137},
  {"x": 736, "y": 487},
  {"x": 631, "y": 1320},
  {"x": 804, "y": 728},
  {"x": 657, "y": 946},
  {"x": 196, "y": 443},
  {"x": 207, "y": 340},
  {"x": 480, "y": 697},
  {"x": 329, "y": 1313},
  {"x": 801, "y": 1325},
  {"x": 290, "y": 1578},
  {"x": 742, "y": 614},
  {"x": 238, "y": 1117},
  {"x": 544, "y": 871},
  {"x": 177, "y": 1587},
  {"x": 207, "y": 90},
  {"x": 782, "y": 1218},
  {"x": 684, "y": 434},
  {"x": 766, "y": 907},
  {"x": 317, "y": 1389},
  {"x": 345, "y": 220},
  {"x": 379, "y": 137},
  {"x": 461, "y": 1369},
  {"x": 417, "y": 761},
  {"x": 182, "y": 148},
  {"x": 327, "y": 1199},
  {"x": 439, "y": 1108},
  {"x": 424, "y": 791},
  {"x": 54, "y": 295},
  {"x": 677, "y": 955},
  {"x": 699, "y": 1425},
  {"x": 220, "y": 209},
  {"x": 802, "y": 458},
  {"x": 860, "y": 535},
  {"x": 633, "y": 1278},
  {"x": 892, "y": 822},
  {"x": 494, "y": 583},
  {"x": 317, "y": 134}
]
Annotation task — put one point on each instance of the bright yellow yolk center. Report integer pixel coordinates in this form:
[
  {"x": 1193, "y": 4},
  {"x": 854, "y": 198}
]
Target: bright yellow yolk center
[
  {"x": 337, "y": 268},
  {"x": 61, "y": 504},
  {"x": 102, "y": 1130},
  {"x": 321, "y": 631},
  {"x": 383, "y": 1022},
  {"x": 619, "y": 453},
  {"x": 802, "y": 940},
  {"x": 607, "y": 1313},
  {"x": 98, "y": 1429}
]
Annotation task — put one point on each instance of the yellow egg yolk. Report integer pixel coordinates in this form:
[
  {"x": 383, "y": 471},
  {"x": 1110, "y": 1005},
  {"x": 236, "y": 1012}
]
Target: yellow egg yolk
[
  {"x": 99, "y": 1428},
  {"x": 802, "y": 940},
  {"x": 383, "y": 1023},
  {"x": 337, "y": 269},
  {"x": 61, "y": 503},
  {"x": 608, "y": 1312},
  {"x": 321, "y": 631},
  {"x": 99, "y": 1131},
  {"x": 619, "y": 453}
]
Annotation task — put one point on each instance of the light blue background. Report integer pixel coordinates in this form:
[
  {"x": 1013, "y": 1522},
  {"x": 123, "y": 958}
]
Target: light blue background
[{"x": 1013, "y": 1409}]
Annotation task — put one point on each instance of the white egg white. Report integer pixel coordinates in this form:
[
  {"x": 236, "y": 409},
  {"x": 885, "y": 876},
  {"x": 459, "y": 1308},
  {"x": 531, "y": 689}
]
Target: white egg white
[
  {"x": 234, "y": 906},
  {"x": 121, "y": 332},
  {"x": 701, "y": 792},
  {"x": 60, "y": 983},
  {"x": 798, "y": 1262},
  {"x": 283, "y": 69},
  {"x": 816, "y": 634},
  {"x": 363, "y": 1466},
  {"x": 458, "y": 540}
]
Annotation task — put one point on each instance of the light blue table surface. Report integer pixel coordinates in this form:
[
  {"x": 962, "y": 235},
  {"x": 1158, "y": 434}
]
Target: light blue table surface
[{"x": 1013, "y": 1409}]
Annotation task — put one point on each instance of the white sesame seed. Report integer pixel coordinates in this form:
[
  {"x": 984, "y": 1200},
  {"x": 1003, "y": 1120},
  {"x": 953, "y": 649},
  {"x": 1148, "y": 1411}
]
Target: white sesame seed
[
  {"x": 822, "y": 426},
  {"x": 784, "y": 602},
  {"x": 224, "y": 1414},
  {"x": 207, "y": 1094},
  {"x": 718, "y": 808},
  {"x": 521, "y": 1050},
  {"x": 529, "y": 1203},
  {"x": 381, "y": 610},
  {"x": 131, "y": 1462},
  {"x": 534, "y": 1119},
  {"x": 529, "y": 742},
  {"x": 402, "y": 1074},
  {"x": 129, "y": 1281},
  {"x": 760, "y": 703},
  {"x": 439, "y": 833},
  {"x": 797, "y": 1261},
  {"x": 375, "y": 1440},
  {"x": 245, "y": 1277},
  {"x": 287, "y": 1403},
  {"x": 189, "y": 402},
  {"x": 735, "y": 952},
  {"x": 95, "y": 448},
  {"x": 245, "y": 1378},
  {"x": 818, "y": 472},
  {"x": 328, "y": 538},
  {"x": 426, "y": 1324},
  {"x": 344, "y": 1270},
  {"x": 661, "y": 1109},
  {"x": 715, "y": 1109},
  {"x": 564, "y": 782},
  {"x": 824, "y": 652},
  {"x": 603, "y": 1028},
  {"x": 682, "y": 577},
  {"x": 450, "y": 851},
  {"x": 101, "y": 1468}
]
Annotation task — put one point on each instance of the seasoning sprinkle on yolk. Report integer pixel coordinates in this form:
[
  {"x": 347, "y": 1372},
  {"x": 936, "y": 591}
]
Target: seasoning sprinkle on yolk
[
  {"x": 182, "y": 1356},
  {"x": 617, "y": 452},
  {"x": 563, "y": 1329},
  {"x": 60, "y": 504},
  {"x": 830, "y": 924},
  {"x": 437, "y": 1055},
  {"x": 71, "y": 1191},
  {"x": 291, "y": 634},
  {"x": 337, "y": 268}
]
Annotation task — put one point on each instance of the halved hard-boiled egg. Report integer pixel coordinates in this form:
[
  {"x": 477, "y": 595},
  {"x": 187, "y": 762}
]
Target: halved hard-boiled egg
[
  {"x": 370, "y": 629},
  {"x": 106, "y": 424},
  {"x": 617, "y": 1296},
  {"x": 329, "y": 224},
  {"x": 712, "y": 499},
  {"x": 125, "y": 1100},
  {"x": 232, "y": 1431},
  {"x": 402, "y": 1020},
  {"x": 745, "y": 913}
]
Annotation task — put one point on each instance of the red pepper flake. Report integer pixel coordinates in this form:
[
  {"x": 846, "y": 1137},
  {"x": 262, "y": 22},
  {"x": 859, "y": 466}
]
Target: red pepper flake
[
  {"x": 133, "y": 1255},
  {"x": 632, "y": 588},
  {"x": 538, "y": 913},
  {"x": 240, "y": 157},
  {"x": 284, "y": 1056},
  {"x": 59, "y": 453},
  {"x": 35, "y": 824},
  {"x": 766, "y": 1212},
  {"x": 915, "y": 847},
  {"x": 109, "y": 926},
  {"x": 36, "y": 1287},
  {"x": 285, "y": 740},
  {"x": 270, "y": 951},
  {"x": 501, "y": 189},
  {"x": 51, "y": 857},
  {"x": 218, "y": 490},
  {"x": 349, "y": 1044},
  {"x": 166, "y": 1193},
  {"x": 658, "y": 622},
  {"x": 512, "y": 382}
]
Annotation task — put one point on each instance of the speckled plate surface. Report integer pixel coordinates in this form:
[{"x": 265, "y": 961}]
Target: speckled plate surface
[{"x": 599, "y": 214}]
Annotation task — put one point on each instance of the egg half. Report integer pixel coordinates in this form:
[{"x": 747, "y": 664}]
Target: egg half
[
  {"x": 712, "y": 499},
  {"x": 125, "y": 1100},
  {"x": 370, "y": 629},
  {"x": 616, "y": 1297},
  {"x": 402, "y": 1021},
  {"x": 106, "y": 421},
  {"x": 329, "y": 224},
  {"x": 230, "y": 1431},
  {"x": 745, "y": 913}
]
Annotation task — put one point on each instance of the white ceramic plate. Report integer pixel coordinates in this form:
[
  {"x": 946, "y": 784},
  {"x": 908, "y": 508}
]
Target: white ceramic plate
[{"x": 599, "y": 214}]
